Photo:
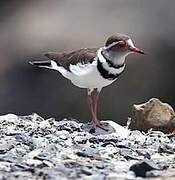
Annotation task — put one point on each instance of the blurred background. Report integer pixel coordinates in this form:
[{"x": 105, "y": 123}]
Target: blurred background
[{"x": 30, "y": 28}]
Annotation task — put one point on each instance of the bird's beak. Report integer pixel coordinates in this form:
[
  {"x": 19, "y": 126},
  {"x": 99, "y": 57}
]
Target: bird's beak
[{"x": 136, "y": 50}]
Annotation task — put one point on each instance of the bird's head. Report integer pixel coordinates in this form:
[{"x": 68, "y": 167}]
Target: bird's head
[{"x": 121, "y": 44}]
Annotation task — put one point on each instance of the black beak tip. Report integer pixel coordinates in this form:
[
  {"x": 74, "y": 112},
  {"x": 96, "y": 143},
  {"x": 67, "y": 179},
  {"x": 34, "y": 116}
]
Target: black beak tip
[{"x": 141, "y": 52}]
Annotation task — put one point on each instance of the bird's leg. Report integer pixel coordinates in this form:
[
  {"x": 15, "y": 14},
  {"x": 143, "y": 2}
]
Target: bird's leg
[
  {"x": 91, "y": 107},
  {"x": 92, "y": 99},
  {"x": 95, "y": 97}
]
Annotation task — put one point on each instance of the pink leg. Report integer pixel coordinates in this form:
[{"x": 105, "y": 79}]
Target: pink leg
[
  {"x": 93, "y": 102},
  {"x": 91, "y": 106},
  {"x": 95, "y": 97}
]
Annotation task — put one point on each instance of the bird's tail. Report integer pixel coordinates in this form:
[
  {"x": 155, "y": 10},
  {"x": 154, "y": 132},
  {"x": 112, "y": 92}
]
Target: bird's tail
[
  {"x": 51, "y": 65},
  {"x": 46, "y": 64}
]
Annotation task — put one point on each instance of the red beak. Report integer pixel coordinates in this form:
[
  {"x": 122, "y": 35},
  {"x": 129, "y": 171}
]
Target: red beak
[{"x": 137, "y": 50}]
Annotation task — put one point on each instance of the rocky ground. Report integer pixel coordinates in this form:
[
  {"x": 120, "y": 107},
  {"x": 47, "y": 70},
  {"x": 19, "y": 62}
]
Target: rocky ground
[{"x": 35, "y": 148}]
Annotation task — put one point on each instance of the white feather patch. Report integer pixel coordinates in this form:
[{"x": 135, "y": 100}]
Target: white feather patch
[
  {"x": 61, "y": 69},
  {"x": 130, "y": 43},
  {"x": 81, "y": 69},
  {"x": 112, "y": 44}
]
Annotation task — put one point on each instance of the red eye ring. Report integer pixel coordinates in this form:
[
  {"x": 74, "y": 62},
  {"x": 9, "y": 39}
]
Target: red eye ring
[{"x": 121, "y": 44}]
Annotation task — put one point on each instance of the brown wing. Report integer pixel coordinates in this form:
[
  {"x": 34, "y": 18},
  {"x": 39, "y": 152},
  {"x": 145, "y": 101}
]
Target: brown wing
[{"x": 83, "y": 56}]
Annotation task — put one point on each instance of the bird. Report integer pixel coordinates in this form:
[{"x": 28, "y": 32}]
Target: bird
[{"x": 92, "y": 68}]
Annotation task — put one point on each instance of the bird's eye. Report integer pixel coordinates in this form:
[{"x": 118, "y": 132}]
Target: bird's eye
[{"x": 121, "y": 44}]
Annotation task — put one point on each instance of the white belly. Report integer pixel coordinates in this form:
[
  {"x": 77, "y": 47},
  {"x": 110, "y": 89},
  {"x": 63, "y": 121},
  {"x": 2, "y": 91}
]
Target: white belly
[{"x": 87, "y": 76}]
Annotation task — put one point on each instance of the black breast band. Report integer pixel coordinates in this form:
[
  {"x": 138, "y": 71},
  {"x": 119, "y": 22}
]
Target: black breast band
[{"x": 106, "y": 74}]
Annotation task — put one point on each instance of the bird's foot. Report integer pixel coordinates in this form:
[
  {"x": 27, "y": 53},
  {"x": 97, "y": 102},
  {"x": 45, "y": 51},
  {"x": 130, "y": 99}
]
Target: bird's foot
[{"x": 101, "y": 125}]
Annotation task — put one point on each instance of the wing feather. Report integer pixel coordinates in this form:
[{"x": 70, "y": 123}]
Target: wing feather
[{"x": 83, "y": 56}]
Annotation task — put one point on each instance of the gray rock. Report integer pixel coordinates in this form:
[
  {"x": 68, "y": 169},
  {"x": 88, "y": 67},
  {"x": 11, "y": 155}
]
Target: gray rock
[
  {"x": 34, "y": 148},
  {"x": 153, "y": 115}
]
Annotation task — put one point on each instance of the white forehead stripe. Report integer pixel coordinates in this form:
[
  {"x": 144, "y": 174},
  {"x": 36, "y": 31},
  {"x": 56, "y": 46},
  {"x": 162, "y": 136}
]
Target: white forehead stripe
[
  {"x": 130, "y": 43},
  {"x": 112, "y": 44}
]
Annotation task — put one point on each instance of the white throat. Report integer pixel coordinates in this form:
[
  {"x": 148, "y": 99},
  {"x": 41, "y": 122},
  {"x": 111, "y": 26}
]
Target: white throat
[
  {"x": 116, "y": 58},
  {"x": 106, "y": 66}
]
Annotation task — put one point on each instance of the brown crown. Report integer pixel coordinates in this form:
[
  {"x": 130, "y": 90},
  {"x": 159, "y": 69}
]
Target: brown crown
[{"x": 115, "y": 38}]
